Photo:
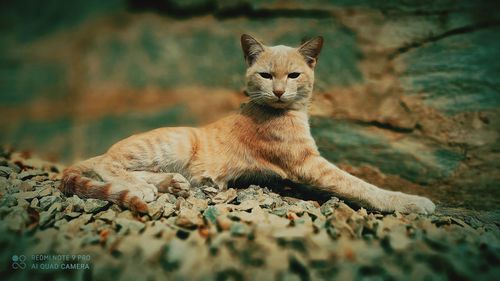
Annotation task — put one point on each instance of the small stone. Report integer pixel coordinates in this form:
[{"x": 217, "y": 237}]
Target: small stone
[
  {"x": 27, "y": 195},
  {"x": 58, "y": 224},
  {"x": 168, "y": 210},
  {"x": 210, "y": 190},
  {"x": 46, "y": 191},
  {"x": 4, "y": 185},
  {"x": 14, "y": 185},
  {"x": 28, "y": 174},
  {"x": 399, "y": 241},
  {"x": 225, "y": 196},
  {"x": 198, "y": 193},
  {"x": 211, "y": 214},
  {"x": 155, "y": 210},
  {"x": 8, "y": 200},
  {"x": 238, "y": 229},
  {"x": 326, "y": 210},
  {"x": 189, "y": 218},
  {"x": 280, "y": 211},
  {"x": 128, "y": 224},
  {"x": 223, "y": 222},
  {"x": 277, "y": 221},
  {"x": 296, "y": 209},
  {"x": 47, "y": 217},
  {"x": 94, "y": 205},
  {"x": 72, "y": 215},
  {"x": 14, "y": 167},
  {"x": 75, "y": 225},
  {"x": 34, "y": 203},
  {"x": 22, "y": 203},
  {"x": 247, "y": 205},
  {"x": 17, "y": 219},
  {"x": 76, "y": 203},
  {"x": 5, "y": 171},
  {"x": 329, "y": 206},
  {"x": 253, "y": 192},
  {"x": 26, "y": 186},
  {"x": 90, "y": 239},
  {"x": 47, "y": 201},
  {"x": 59, "y": 215},
  {"x": 268, "y": 202},
  {"x": 199, "y": 204}
]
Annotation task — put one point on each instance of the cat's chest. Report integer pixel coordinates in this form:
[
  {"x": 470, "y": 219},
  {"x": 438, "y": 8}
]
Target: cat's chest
[{"x": 283, "y": 136}]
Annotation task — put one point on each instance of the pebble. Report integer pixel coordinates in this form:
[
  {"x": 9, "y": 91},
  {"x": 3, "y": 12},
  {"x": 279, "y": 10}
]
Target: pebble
[
  {"x": 58, "y": 224},
  {"x": 198, "y": 193},
  {"x": 4, "y": 185},
  {"x": 130, "y": 224},
  {"x": 34, "y": 203},
  {"x": 27, "y": 195},
  {"x": 45, "y": 191},
  {"x": 76, "y": 203},
  {"x": 26, "y": 186},
  {"x": 238, "y": 229},
  {"x": 108, "y": 215},
  {"x": 28, "y": 174},
  {"x": 75, "y": 225},
  {"x": 211, "y": 214},
  {"x": 17, "y": 219},
  {"x": 72, "y": 215},
  {"x": 225, "y": 197},
  {"x": 47, "y": 217},
  {"x": 223, "y": 222},
  {"x": 8, "y": 200},
  {"x": 210, "y": 190},
  {"x": 251, "y": 193},
  {"x": 5, "y": 171},
  {"x": 47, "y": 201},
  {"x": 189, "y": 218},
  {"x": 168, "y": 210},
  {"x": 199, "y": 204},
  {"x": 94, "y": 205}
]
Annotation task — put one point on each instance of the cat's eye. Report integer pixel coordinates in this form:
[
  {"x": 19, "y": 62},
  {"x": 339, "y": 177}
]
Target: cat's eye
[
  {"x": 266, "y": 75},
  {"x": 293, "y": 75}
]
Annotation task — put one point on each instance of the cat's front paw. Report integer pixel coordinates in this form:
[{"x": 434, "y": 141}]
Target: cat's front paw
[
  {"x": 406, "y": 203},
  {"x": 175, "y": 184}
]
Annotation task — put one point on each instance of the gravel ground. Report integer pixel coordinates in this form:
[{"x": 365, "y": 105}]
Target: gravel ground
[{"x": 247, "y": 234}]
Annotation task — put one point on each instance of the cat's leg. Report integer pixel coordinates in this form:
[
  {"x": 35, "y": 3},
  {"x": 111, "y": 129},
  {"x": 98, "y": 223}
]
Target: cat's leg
[
  {"x": 99, "y": 178},
  {"x": 322, "y": 174},
  {"x": 126, "y": 181},
  {"x": 166, "y": 182}
]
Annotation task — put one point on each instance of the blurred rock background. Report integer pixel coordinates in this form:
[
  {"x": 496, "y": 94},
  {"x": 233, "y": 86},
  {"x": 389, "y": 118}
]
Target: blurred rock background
[{"x": 407, "y": 92}]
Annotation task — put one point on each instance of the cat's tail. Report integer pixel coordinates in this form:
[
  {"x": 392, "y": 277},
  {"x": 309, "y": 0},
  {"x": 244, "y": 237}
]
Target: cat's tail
[{"x": 75, "y": 180}]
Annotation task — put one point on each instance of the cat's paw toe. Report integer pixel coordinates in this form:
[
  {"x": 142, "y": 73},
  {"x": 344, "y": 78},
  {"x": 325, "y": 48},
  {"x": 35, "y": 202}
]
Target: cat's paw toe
[
  {"x": 175, "y": 184},
  {"x": 149, "y": 194},
  {"x": 415, "y": 204},
  {"x": 135, "y": 201}
]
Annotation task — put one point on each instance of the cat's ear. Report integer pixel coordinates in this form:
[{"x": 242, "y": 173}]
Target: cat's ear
[
  {"x": 251, "y": 48},
  {"x": 310, "y": 50}
]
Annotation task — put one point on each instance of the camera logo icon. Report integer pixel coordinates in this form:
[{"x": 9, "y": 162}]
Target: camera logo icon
[{"x": 18, "y": 262}]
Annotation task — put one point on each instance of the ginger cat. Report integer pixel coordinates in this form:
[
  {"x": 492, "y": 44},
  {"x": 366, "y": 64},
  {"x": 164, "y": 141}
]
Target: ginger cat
[{"x": 269, "y": 136}]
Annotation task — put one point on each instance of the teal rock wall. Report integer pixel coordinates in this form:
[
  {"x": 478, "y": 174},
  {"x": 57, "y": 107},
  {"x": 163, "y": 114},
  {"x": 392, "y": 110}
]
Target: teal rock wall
[{"x": 409, "y": 87}]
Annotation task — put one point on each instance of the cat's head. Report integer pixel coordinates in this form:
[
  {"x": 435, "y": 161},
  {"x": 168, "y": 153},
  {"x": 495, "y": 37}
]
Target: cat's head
[{"x": 280, "y": 76}]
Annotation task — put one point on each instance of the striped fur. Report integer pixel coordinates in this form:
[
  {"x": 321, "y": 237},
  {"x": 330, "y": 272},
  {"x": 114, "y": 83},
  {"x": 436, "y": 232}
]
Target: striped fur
[{"x": 269, "y": 136}]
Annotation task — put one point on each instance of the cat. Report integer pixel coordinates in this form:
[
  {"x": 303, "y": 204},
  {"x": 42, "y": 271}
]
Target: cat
[{"x": 269, "y": 136}]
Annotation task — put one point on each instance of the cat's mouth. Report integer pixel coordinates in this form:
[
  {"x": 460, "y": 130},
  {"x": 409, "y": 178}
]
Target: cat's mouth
[{"x": 279, "y": 103}]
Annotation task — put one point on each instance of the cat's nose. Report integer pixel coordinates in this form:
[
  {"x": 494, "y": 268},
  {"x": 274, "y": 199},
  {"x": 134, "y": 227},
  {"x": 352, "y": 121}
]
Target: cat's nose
[{"x": 278, "y": 93}]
